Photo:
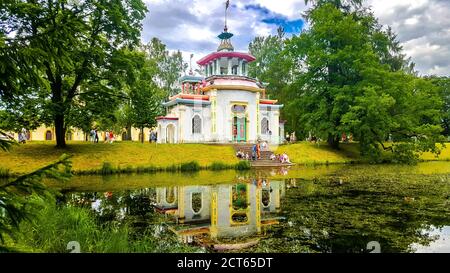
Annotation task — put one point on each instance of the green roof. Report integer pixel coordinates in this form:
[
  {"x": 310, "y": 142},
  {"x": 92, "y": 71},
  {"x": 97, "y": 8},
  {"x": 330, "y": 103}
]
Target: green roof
[
  {"x": 225, "y": 35},
  {"x": 188, "y": 78}
]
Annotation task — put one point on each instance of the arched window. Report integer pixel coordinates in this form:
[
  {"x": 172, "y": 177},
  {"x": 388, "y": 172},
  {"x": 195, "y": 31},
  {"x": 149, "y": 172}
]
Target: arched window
[
  {"x": 48, "y": 135},
  {"x": 196, "y": 125},
  {"x": 244, "y": 68},
  {"x": 264, "y": 126},
  {"x": 196, "y": 202},
  {"x": 265, "y": 197},
  {"x": 170, "y": 195},
  {"x": 234, "y": 70}
]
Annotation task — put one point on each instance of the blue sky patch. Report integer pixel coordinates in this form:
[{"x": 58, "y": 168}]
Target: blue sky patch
[
  {"x": 271, "y": 18},
  {"x": 258, "y": 8},
  {"x": 294, "y": 26}
]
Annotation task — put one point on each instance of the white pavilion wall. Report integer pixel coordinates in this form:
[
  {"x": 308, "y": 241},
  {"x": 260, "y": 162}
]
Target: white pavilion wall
[
  {"x": 225, "y": 100},
  {"x": 205, "y": 211},
  {"x": 274, "y": 124},
  {"x": 185, "y": 114}
]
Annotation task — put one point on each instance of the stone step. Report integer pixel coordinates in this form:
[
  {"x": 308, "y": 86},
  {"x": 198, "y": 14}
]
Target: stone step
[{"x": 269, "y": 163}]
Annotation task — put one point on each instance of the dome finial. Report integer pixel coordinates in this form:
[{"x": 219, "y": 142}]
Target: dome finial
[
  {"x": 225, "y": 43},
  {"x": 227, "y": 5}
]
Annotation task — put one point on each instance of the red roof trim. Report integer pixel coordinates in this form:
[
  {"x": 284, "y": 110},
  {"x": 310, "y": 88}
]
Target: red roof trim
[
  {"x": 190, "y": 96},
  {"x": 166, "y": 118},
  {"x": 267, "y": 101},
  {"x": 216, "y": 55}
]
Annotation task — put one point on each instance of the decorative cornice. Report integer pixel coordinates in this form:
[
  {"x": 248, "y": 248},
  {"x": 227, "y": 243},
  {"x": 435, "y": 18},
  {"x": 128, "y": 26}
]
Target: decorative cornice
[
  {"x": 273, "y": 106},
  {"x": 166, "y": 118},
  {"x": 227, "y": 54},
  {"x": 265, "y": 101},
  {"x": 230, "y": 77},
  {"x": 232, "y": 88},
  {"x": 190, "y": 96},
  {"x": 186, "y": 101}
]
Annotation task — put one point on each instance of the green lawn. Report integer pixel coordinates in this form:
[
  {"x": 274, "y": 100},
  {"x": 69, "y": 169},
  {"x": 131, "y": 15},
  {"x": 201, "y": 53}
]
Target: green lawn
[
  {"x": 310, "y": 153},
  {"x": 88, "y": 156}
]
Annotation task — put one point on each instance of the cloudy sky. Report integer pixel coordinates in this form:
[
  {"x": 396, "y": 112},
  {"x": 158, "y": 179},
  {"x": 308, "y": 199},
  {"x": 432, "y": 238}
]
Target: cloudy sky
[{"x": 192, "y": 26}]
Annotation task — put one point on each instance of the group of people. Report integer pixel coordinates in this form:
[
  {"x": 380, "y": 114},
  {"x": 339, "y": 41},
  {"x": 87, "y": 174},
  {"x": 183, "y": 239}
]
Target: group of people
[
  {"x": 241, "y": 155},
  {"x": 109, "y": 137},
  {"x": 255, "y": 152},
  {"x": 346, "y": 138},
  {"x": 23, "y": 136},
  {"x": 291, "y": 138},
  {"x": 153, "y": 136},
  {"x": 282, "y": 158},
  {"x": 93, "y": 135},
  {"x": 94, "y": 138}
]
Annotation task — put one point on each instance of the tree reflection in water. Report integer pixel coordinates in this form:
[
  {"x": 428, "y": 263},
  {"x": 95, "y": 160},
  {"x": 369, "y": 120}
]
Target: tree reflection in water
[{"x": 335, "y": 213}]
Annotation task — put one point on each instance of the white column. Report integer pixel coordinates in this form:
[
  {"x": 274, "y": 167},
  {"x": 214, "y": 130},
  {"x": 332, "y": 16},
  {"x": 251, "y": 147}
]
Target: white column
[
  {"x": 240, "y": 67},
  {"x": 229, "y": 66},
  {"x": 216, "y": 67}
]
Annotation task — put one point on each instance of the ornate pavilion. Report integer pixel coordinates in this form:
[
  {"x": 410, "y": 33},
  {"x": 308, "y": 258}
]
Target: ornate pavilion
[{"x": 224, "y": 106}]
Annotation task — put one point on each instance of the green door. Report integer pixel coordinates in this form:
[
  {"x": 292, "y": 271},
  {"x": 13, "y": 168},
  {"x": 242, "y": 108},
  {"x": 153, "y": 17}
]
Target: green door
[{"x": 241, "y": 129}]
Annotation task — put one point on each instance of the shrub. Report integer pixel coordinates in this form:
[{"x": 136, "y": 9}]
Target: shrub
[
  {"x": 243, "y": 165},
  {"x": 55, "y": 226},
  {"x": 192, "y": 166},
  {"x": 218, "y": 166},
  {"x": 107, "y": 168},
  {"x": 171, "y": 168},
  {"x": 5, "y": 172}
]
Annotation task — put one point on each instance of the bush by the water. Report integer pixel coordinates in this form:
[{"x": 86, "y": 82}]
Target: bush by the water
[
  {"x": 57, "y": 225},
  {"x": 192, "y": 166},
  {"x": 107, "y": 168},
  {"x": 219, "y": 166},
  {"x": 243, "y": 165},
  {"x": 4, "y": 173}
]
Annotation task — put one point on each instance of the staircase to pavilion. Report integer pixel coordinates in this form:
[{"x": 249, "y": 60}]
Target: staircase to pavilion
[{"x": 265, "y": 156}]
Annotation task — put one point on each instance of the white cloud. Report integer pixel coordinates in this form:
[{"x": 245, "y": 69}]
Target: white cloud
[
  {"x": 290, "y": 8},
  {"x": 423, "y": 26}
]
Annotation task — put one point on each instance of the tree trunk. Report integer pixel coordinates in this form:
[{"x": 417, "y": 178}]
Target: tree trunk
[
  {"x": 142, "y": 134},
  {"x": 129, "y": 133},
  {"x": 60, "y": 131},
  {"x": 333, "y": 141}
]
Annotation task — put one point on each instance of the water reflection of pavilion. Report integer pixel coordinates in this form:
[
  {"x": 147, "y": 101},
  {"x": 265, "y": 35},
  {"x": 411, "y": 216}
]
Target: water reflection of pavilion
[{"x": 216, "y": 213}]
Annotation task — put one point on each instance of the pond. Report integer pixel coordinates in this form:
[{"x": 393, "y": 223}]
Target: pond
[{"x": 336, "y": 208}]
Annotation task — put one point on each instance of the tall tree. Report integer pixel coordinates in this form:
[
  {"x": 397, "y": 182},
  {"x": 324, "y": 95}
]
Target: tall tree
[
  {"x": 170, "y": 65},
  {"x": 340, "y": 4},
  {"x": 344, "y": 83},
  {"x": 271, "y": 67},
  {"x": 63, "y": 44},
  {"x": 443, "y": 85},
  {"x": 139, "y": 71},
  {"x": 324, "y": 57}
]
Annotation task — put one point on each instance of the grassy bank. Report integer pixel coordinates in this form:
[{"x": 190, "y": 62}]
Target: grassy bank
[
  {"x": 306, "y": 153},
  {"x": 53, "y": 227},
  {"x": 119, "y": 157},
  {"x": 133, "y": 157}
]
